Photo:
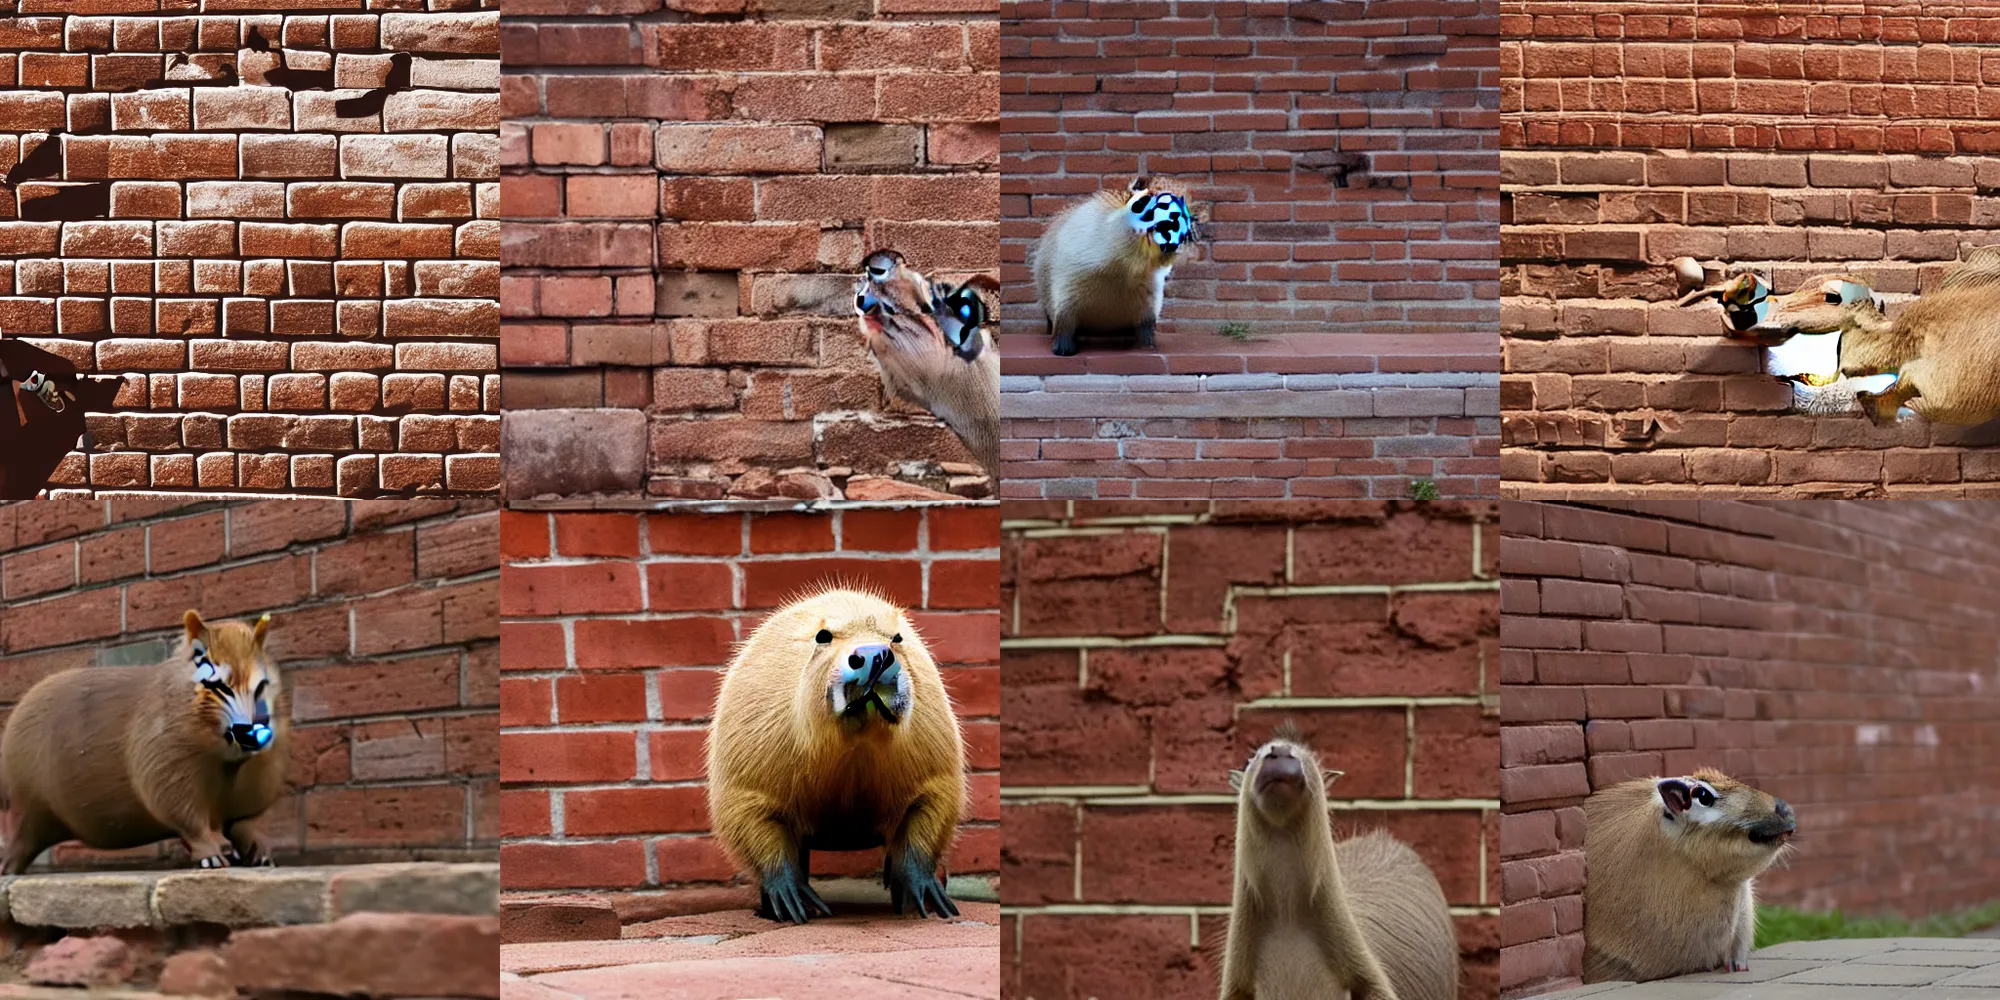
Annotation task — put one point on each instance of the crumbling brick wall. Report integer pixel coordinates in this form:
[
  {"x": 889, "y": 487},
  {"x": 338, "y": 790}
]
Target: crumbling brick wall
[
  {"x": 1838, "y": 654},
  {"x": 1148, "y": 648},
  {"x": 1792, "y": 138},
  {"x": 295, "y": 299},
  {"x": 690, "y": 197},
  {"x": 617, "y": 630},
  {"x": 384, "y": 626}
]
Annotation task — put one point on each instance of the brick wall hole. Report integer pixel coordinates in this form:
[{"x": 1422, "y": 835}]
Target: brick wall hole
[
  {"x": 292, "y": 301},
  {"x": 1787, "y": 140}
]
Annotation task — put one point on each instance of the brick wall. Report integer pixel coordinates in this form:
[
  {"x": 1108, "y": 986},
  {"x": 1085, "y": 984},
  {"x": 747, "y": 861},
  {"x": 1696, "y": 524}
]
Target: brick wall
[
  {"x": 1341, "y": 154},
  {"x": 1838, "y": 654},
  {"x": 1364, "y": 310},
  {"x": 1147, "y": 648},
  {"x": 1794, "y": 138},
  {"x": 297, "y": 301},
  {"x": 689, "y": 200},
  {"x": 383, "y": 624},
  {"x": 617, "y": 630}
]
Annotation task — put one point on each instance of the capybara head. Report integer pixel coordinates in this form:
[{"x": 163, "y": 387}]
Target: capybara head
[
  {"x": 858, "y": 648},
  {"x": 1154, "y": 210},
  {"x": 1752, "y": 312},
  {"x": 894, "y": 297},
  {"x": 1282, "y": 778},
  {"x": 235, "y": 685},
  {"x": 1731, "y": 827}
]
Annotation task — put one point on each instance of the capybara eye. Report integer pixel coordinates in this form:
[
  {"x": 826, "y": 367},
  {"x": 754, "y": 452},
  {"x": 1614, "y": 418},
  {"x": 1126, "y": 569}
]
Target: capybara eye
[
  {"x": 898, "y": 637},
  {"x": 823, "y": 637},
  {"x": 1704, "y": 796}
]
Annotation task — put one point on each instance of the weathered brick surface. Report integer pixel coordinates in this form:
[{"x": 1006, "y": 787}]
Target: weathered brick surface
[
  {"x": 1838, "y": 654},
  {"x": 1793, "y": 138},
  {"x": 1108, "y": 436},
  {"x": 1141, "y": 661},
  {"x": 296, "y": 301},
  {"x": 688, "y": 199},
  {"x": 617, "y": 629},
  {"x": 1342, "y": 159},
  {"x": 384, "y": 625}
]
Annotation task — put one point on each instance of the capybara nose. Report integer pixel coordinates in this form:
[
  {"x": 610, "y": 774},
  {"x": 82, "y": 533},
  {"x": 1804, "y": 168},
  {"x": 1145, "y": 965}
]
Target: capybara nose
[
  {"x": 868, "y": 303},
  {"x": 1784, "y": 811},
  {"x": 1276, "y": 770},
  {"x": 250, "y": 736},
  {"x": 870, "y": 662},
  {"x": 1280, "y": 750}
]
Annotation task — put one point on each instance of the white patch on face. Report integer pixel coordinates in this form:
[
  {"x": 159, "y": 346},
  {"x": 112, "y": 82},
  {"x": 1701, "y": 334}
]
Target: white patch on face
[{"x": 1805, "y": 354}]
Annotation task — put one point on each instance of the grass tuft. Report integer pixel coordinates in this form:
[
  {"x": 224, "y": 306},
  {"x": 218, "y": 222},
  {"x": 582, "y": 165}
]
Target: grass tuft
[
  {"x": 1779, "y": 924},
  {"x": 1239, "y": 332},
  {"x": 1423, "y": 489}
]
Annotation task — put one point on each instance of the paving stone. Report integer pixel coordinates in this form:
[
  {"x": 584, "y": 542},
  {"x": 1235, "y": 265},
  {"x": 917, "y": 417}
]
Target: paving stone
[
  {"x": 241, "y": 898},
  {"x": 1968, "y": 958},
  {"x": 200, "y": 973},
  {"x": 471, "y": 890},
  {"x": 1870, "y": 974},
  {"x": 1762, "y": 970},
  {"x": 108, "y": 899},
  {"x": 82, "y": 961}
]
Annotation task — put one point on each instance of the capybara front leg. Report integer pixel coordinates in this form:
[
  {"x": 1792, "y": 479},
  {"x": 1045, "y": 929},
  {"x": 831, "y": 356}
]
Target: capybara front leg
[
  {"x": 1881, "y": 407},
  {"x": 1143, "y": 335},
  {"x": 785, "y": 893},
  {"x": 910, "y": 869}
]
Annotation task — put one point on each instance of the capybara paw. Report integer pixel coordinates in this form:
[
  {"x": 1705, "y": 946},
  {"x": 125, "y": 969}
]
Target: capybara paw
[
  {"x": 788, "y": 898},
  {"x": 1065, "y": 346},
  {"x": 213, "y": 861},
  {"x": 1145, "y": 334},
  {"x": 248, "y": 850},
  {"x": 1871, "y": 404},
  {"x": 915, "y": 882}
]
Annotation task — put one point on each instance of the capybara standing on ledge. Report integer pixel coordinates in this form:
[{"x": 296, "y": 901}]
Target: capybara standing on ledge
[
  {"x": 1670, "y": 866},
  {"x": 119, "y": 757},
  {"x": 1310, "y": 918},
  {"x": 833, "y": 732}
]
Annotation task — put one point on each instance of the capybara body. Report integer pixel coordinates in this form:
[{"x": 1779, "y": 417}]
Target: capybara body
[
  {"x": 833, "y": 731},
  {"x": 119, "y": 757},
  {"x": 1670, "y": 867},
  {"x": 1310, "y": 918}
]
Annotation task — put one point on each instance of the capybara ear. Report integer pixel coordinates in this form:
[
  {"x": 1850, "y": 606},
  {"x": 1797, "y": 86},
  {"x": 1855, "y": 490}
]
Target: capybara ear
[
  {"x": 194, "y": 624},
  {"x": 1676, "y": 794},
  {"x": 1236, "y": 781},
  {"x": 263, "y": 626},
  {"x": 1141, "y": 183},
  {"x": 1330, "y": 777}
]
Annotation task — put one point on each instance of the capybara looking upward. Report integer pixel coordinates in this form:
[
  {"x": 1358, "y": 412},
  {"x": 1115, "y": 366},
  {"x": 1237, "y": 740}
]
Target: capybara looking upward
[
  {"x": 833, "y": 732},
  {"x": 1669, "y": 874},
  {"x": 1310, "y": 918},
  {"x": 124, "y": 756}
]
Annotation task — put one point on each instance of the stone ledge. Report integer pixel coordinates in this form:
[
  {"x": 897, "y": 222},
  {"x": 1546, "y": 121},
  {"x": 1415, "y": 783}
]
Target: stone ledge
[
  {"x": 1264, "y": 401},
  {"x": 1855, "y": 968},
  {"x": 247, "y": 897}
]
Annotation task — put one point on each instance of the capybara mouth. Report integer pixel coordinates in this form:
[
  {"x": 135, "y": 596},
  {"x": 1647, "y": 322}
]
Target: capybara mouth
[{"x": 1771, "y": 834}]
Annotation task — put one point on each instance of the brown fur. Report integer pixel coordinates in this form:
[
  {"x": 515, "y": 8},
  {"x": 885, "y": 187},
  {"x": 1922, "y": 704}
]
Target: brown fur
[
  {"x": 1094, "y": 273},
  {"x": 1944, "y": 348},
  {"x": 919, "y": 366},
  {"x": 787, "y": 774},
  {"x": 1310, "y": 918},
  {"x": 120, "y": 757},
  {"x": 1659, "y": 904}
]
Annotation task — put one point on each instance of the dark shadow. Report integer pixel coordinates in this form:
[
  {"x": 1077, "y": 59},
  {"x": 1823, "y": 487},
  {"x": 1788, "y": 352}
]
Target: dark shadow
[
  {"x": 69, "y": 204},
  {"x": 370, "y": 103},
  {"x": 33, "y": 437},
  {"x": 285, "y": 76}
]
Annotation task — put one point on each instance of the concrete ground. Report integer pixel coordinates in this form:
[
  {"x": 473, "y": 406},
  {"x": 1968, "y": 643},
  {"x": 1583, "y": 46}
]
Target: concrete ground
[
  {"x": 1857, "y": 969},
  {"x": 864, "y": 951}
]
